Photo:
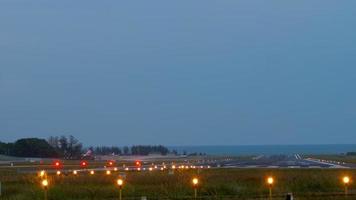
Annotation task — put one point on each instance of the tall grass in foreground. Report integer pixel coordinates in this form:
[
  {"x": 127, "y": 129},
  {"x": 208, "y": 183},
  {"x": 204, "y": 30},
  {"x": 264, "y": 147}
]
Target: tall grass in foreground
[{"x": 215, "y": 184}]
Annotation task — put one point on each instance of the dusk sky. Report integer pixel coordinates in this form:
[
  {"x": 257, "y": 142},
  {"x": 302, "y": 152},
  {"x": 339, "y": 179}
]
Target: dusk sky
[{"x": 204, "y": 72}]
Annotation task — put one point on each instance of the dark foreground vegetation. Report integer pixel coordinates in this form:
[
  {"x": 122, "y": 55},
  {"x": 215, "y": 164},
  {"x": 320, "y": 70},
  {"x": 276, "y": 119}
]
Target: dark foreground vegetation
[{"x": 215, "y": 184}]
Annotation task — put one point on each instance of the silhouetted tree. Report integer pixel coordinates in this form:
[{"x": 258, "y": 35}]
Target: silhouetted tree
[
  {"x": 67, "y": 147},
  {"x": 126, "y": 150},
  {"x": 33, "y": 147}
]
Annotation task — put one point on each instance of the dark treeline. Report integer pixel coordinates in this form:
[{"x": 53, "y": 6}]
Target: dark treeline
[
  {"x": 68, "y": 147},
  {"x": 103, "y": 150},
  {"x": 28, "y": 147},
  {"x": 145, "y": 150},
  {"x": 134, "y": 150}
]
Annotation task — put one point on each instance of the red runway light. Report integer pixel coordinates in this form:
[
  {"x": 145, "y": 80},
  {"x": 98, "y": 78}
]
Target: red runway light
[
  {"x": 83, "y": 164},
  {"x": 110, "y": 163},
  {"x": 57, "y": 164},
  {"x": 138, "y": 163}
]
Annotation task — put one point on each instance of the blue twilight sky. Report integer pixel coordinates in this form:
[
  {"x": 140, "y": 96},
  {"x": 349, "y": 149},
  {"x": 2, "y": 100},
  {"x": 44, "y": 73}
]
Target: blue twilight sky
[{"x": 179, "y": 72}]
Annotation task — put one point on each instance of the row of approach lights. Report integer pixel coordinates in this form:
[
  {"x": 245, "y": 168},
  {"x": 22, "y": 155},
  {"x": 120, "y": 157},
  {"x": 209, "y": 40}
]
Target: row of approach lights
[
  {"x": 75, "y": 172},
  {"x": 195, "y": 182},
  {"x": 84, "y": 164},
  {"x": 108, "y": 172}
]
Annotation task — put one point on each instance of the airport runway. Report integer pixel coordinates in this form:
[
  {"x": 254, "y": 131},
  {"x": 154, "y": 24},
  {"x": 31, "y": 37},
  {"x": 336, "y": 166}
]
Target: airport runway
[
  {"x": 280, "y": 161},
  {"x": 261, "y": 161}
]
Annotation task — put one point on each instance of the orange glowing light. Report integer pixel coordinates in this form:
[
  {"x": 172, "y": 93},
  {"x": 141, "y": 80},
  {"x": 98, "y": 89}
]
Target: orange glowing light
[
  {"x": 270, "y": 180},
  {"x": 45, "y": 183},
  {"x": 120, "y": 182},
  {"x": 42, "y": 173},
  {"x": 346, "y": 180},
  {"x": 195, "y": 181}
]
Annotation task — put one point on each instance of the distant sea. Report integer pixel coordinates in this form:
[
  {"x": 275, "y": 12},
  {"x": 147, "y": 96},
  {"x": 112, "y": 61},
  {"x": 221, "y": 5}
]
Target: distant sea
[{"x": 268, "y": 149}]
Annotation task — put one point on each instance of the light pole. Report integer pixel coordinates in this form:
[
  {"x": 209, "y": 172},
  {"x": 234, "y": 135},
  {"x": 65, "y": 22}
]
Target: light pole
[
  {"x": 45, "y": 187},
  {"x": 120, "y": 182},
  {"x": 346, "y": 181},
  {"x": 270, "y": 182},
  {"x": 195, "y": 182}
]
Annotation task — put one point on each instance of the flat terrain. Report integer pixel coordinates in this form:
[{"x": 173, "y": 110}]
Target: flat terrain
[
  {"x": 218, "y": 180},
  {"x": 347, "y": 159}
]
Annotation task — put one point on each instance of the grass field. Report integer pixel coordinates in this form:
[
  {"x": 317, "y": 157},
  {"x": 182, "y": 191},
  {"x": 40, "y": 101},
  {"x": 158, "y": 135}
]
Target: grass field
[{"x": 215, "y": 184}]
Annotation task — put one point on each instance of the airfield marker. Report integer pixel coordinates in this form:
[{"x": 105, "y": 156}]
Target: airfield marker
[
  {"x": 195, "y": 182},
  {"x": 346, "y": 181},
  {"x": 45, "y": 187},
  {"x": 270, "y": 182},
  {"x": 120, "y": 182}
]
